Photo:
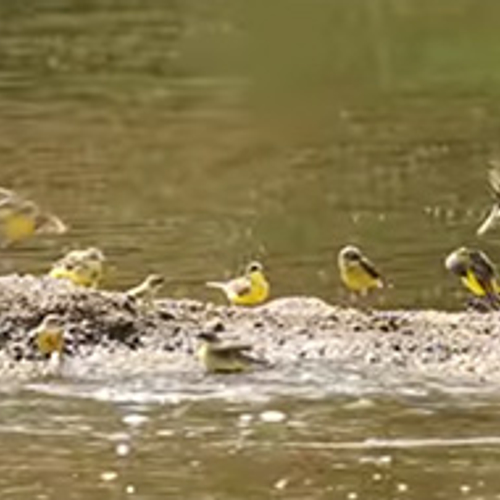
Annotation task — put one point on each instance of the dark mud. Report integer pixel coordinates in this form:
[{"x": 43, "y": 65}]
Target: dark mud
[{"x": 287, "y": 331}]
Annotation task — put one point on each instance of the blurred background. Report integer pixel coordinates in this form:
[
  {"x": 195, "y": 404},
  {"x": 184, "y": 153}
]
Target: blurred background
[{"x": 186, "y": 137}]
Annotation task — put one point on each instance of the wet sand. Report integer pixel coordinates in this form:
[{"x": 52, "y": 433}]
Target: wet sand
[{"x": 285, "y": 331}]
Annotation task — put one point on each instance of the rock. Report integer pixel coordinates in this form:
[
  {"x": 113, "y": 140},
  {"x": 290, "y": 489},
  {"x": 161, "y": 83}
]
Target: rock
[{"x": 284, "y": 331}]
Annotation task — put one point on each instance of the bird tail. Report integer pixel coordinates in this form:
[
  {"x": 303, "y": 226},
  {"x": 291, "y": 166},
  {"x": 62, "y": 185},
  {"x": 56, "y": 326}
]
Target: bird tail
[
  {"x": 493, "y": 300},
  {"x": 261, "y": 362},
  {"x": 216, "y": 284},
  {"x": 490, "y": 221}
]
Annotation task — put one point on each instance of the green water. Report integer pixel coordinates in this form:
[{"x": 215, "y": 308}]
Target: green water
[{"x": 186, "y": 137}]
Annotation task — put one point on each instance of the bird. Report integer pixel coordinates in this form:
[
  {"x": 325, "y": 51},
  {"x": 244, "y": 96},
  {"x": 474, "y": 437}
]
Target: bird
[
  {"x": 147, "y": 290},
  {"x": 493, "y": 218},
  {"x": 21, "y": 218},
  {"x": 250, "y": 289},
  {"x": 477, "y": 273},
  {"x": 81, "y": 267},
  {"x": 218, "y": 357},
  {"x": 49, "y": 339},
  {"x": 357, "y": 272}
]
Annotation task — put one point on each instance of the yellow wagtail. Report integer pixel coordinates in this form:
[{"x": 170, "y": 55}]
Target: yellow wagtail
[
  {"x": 218, "y": 357},
  {"x": 357, "y": 272},
  {"x": 250, "y": 289},
  {"x": 146, "y": 291},
  {"x": 477, "y": 273},
  {"x": 49, "y": 339},
  {"x": 81, "y": 267},
  {"x": 21, "y": 218}
]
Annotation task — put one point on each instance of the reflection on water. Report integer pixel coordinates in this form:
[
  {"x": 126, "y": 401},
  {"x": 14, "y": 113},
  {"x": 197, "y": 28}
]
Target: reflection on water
[{"x": 186, "y": 137}]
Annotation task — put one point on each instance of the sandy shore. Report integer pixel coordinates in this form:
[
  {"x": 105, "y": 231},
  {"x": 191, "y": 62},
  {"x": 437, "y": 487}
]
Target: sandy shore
[{"x": 284, "y": 331}]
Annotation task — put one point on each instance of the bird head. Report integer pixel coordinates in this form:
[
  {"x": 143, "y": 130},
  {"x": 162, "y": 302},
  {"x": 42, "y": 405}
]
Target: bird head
[
  {"x": 155, "y": 280},
  {"x": 254, "y": 267},
  {"x": 209, "y": 337},
  {"x": 350, "y": 253},
  {"x": 458, "y": 261},
  {"x": 51, "y": 322},
  {"x": 94, "y": 254}
]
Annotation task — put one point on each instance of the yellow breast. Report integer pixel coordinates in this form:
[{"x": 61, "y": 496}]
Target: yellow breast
[
  {"x": 259, "y": 291},
  {"x": 49, "y": 341},
  {"x": 81, "y": 276},
  {"x": 356, "y": 279},
  {"x": 18, "y": 227}
]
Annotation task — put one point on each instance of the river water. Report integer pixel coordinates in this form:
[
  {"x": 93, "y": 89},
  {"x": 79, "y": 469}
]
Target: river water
[{"x": 187, "y": 137}]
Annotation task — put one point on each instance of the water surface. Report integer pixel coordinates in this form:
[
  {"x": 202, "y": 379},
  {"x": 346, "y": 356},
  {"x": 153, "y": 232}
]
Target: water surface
[{"x": 186, "y": 137}]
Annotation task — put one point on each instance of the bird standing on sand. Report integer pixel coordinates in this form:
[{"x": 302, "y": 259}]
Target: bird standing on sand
[
  {"x": 250, "y": 289},
  {"x": 49, "y": 339},
  {"x": 81, "y": 267},
  {"x": 21, "y": 218},
  {"x": 218, "y": 357},
  {"x": 357, "y": 272},
  {"x": 146, "y": 292},
  {"x": 477, "y": 273},
  {"x": 493, "y": 217}
]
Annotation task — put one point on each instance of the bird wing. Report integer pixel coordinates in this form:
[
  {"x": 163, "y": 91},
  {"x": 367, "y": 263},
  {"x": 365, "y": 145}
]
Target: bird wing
[
  {"x": 7, "y": 193},
  {"x": 50, "y": 224},
  {"x": 484, "y": 271},
  {"x": 369, "y": 268},
  {"x": 494, "y": 180},
  {"x": 230, "y": 349},
  {"x": 491, "y": 220},
  {"x": 240, "y": 286}
]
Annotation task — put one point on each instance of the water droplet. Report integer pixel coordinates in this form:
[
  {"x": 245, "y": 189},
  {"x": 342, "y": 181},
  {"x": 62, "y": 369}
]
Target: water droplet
[
  {"x": 281, "y": 484},
  {"x": 245, "y": 419},
  {"x": 272, "y": 416},
  {"x": 465, "y": 488},
  {"x": 134, "y": 419},
  {"x": 109, "y": 476},
  {"x": 122, "y": 449}
]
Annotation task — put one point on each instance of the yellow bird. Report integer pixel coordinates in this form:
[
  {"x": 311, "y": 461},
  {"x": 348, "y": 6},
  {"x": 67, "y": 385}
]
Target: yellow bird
[
  {"x": 49, "y": 339},
  {"x": 21, "y": 218},
  {"x": 218, "y": 357},
  {"x": 493, "y": 217},
  {"x": 248, "y": 290},
  {"x": 81, "y": 267},
  {"x": 146, "y": 292},
  {"x": 477, "y": 273},
  {"x": 357, "y": 272}
]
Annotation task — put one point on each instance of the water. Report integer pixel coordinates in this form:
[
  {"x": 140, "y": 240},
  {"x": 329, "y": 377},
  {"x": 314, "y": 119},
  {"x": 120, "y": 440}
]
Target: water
[{"x": 186, "y": 137}]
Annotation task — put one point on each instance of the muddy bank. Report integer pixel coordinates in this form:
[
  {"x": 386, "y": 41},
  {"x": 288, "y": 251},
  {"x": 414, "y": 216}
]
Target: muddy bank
[{"x": 287, "y": 331}]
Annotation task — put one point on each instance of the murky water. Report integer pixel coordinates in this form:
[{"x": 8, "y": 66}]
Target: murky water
[{"x": 185, "y": 137}]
